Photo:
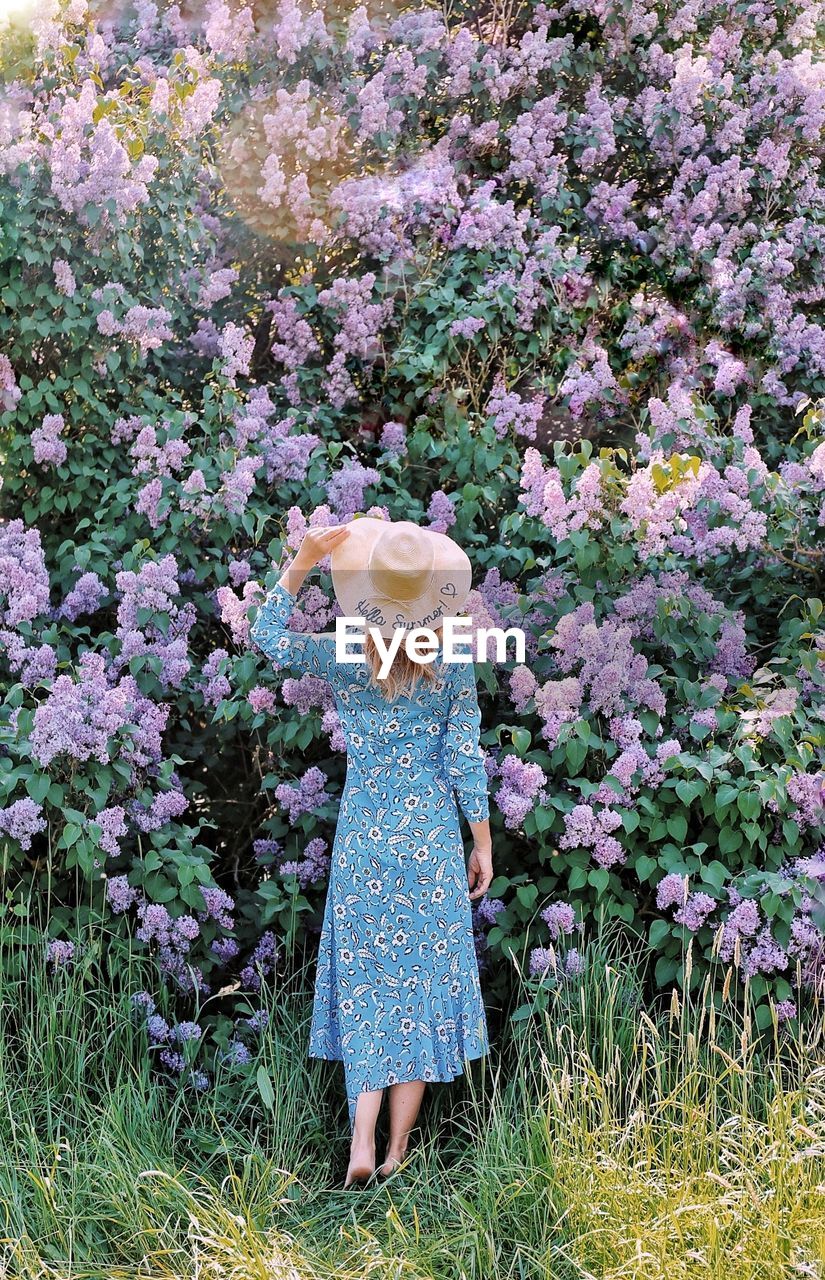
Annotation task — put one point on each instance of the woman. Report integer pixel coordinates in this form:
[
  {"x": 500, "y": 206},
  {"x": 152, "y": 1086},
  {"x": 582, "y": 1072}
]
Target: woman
[{"x": 397, "y": 992}]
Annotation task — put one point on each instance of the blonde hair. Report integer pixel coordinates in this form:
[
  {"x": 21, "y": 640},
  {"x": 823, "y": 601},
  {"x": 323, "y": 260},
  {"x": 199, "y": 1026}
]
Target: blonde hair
[{"x": 404, "y": 673}]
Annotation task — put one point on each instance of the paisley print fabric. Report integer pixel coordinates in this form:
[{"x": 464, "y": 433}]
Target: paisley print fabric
[{"x": 397, "y": 992}]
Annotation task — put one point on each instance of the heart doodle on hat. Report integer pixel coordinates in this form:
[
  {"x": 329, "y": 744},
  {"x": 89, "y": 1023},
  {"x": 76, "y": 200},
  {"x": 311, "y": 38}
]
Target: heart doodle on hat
[{"x": 448, "y": 589}]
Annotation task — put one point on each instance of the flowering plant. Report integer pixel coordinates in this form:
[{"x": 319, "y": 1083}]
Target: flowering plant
[{"x": 255, "y": 266}]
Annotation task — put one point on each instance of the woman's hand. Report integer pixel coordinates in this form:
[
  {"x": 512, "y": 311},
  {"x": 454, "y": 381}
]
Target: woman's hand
[
  {"x": 480, "y": 870},
  {"x": 318, "y": 543}
]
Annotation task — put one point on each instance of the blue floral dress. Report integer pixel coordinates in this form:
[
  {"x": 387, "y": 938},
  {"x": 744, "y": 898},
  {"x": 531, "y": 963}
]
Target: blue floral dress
[{"x": 397, "y": 991}]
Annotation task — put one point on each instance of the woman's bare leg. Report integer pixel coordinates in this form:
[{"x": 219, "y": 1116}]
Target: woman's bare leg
[
  {"x": 362, "y": 1147},
  {"x": 405, "y": 1101}
]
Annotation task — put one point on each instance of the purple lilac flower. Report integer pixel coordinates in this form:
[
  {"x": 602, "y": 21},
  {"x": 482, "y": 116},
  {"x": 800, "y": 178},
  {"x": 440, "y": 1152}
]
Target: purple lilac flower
[
  {"x": 119, "y": 894},
  {"x": 312, "y": 867},
  {"x": 155, "y": 589},
  {"x": 10, "y": 393},
  {"x": 155, "y": 922},
  {"x": 586, "y": 829},
  {"x": 21, "y": 820},
  {"x": 466, "y": 327},
  {"x": 218, "y": 906},
  {"x": 172, "y": 1060},
  {"x": 261, "y": 962},
  {"x": 78, "y": 717},
  {"x": 185, "y": 930},
  {"x": 304, "y": 797},
  {"x": 394, "y": 437},
  {"x": 237, "y": 1054},
  {"x": 695, "y": 911},
  {"x": 84, "y": 597},
  {"x": 258, "y": 1021},
  {"x": 508, "y": 411},
  {"x": 143, "y": 1003},
  {"x": 46, "y": 443},
  {"x": 59, "y": 954},
  {"x": 560, "y": 918},
  {"x": 764, "y": 956},
  {"x": 742, "y": 922},
  {"x": 215, "y": 685},
  {"x": 306, "y": 693},
  {"x": 265, "y": 849},
  {"x": 346, "y": 488},
  {"x": 157, "y": 1029},
  {"x": 488, "y": 908},
  {"x": 805, "y": 791},
  {"x": 521, "y": 785},
  {"x": 24, "y": 579},
  {"x": 557, "y": 702},
  {"x": 522, "y": 687},
  {"x": 360, "y": 322},
  {"x": 671, "y": 891},
  {"x": 64, "y": 278},
  {"x": 226, "y": 949},
  {"x": 165, "y": 806},
  {"x": 262, "y": 699},
  {"x": 112, "y": 828},
  {"x": 441, "y": 513},
  {"x": 542, "y": 961},
  {"x": 185, "y": 1032}
]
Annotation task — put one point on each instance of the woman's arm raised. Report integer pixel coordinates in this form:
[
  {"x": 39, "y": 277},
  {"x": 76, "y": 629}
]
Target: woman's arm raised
[{"x": 305, "y": 651}]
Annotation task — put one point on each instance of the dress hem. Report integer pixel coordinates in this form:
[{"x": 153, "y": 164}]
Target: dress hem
[{"x": 441, "y": 1078}]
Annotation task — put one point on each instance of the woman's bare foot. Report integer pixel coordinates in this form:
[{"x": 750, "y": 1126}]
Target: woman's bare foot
[
  {"x": 393, "y": 1158},
  {"x": 361, "y": 1159}
]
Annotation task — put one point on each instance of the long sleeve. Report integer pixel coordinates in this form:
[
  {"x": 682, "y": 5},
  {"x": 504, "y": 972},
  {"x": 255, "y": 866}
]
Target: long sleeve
[
  {"x": 463, "y": 756},
  {"x": 312, "y": 652}
]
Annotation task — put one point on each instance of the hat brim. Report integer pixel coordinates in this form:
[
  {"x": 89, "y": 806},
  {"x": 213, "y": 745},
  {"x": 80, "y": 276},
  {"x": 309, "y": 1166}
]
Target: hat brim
[{"x": 358, "y": 598}]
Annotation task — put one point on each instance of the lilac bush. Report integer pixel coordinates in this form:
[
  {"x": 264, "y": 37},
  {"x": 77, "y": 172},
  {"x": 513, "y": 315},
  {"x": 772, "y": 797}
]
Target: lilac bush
[{"x": 547, "y": 281}]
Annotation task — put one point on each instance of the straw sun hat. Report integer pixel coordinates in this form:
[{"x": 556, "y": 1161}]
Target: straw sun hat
[{"x": 394, "y": 574}]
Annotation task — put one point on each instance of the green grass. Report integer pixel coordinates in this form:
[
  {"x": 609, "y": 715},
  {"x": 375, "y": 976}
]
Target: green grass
[{"x": 597, "y": 1142}]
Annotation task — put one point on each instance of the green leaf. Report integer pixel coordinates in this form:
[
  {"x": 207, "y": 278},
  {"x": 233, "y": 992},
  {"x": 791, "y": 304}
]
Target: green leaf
[
  {"x": 790, "y": 831},
  {"x": 38, "y": 786},
  {"x": 576, "y": 753},
  {"x": 749, "y": 804},
  {"x": 764, "y": 1016},
  {"x": 677, "y": 827},
  {"x": 645, "y": 866},
  {"x": 265, "y": 1087},
  {"x": 666, "y": 969},
  {"x": 689, "y": 791},
  {"x": 159, "y": 889},
  {"x": 599, "y": 877},
  {"x": 523, "y": 1012},
  {"x": 730, "y": 839},
  {"x": 659, "y": 931},
  {"x": 192, "y": 896},
  {"x": 714, "y": 873},
  {"x": 527, "y": 894},
  {"x": 543, "y": 818},
  {"x": 726, "y": 795}
]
